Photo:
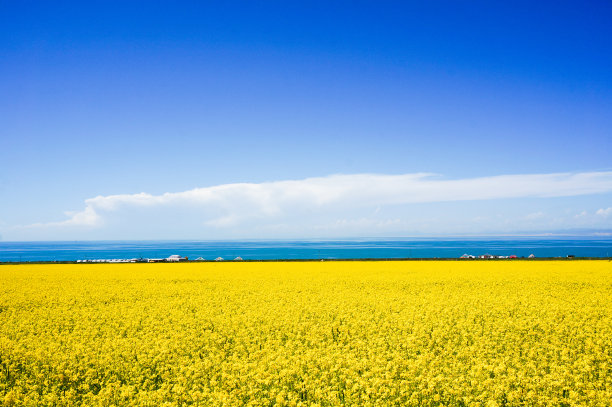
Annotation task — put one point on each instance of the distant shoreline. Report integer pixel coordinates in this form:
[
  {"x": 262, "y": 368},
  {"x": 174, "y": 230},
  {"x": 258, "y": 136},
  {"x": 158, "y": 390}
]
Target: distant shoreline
[
  {"x": 374, "y": 250},
  {"x": 407, "y": 259}
]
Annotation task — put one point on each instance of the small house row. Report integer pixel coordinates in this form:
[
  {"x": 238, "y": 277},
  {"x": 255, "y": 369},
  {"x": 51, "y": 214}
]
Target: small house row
[{"x": 492, "y": 256}]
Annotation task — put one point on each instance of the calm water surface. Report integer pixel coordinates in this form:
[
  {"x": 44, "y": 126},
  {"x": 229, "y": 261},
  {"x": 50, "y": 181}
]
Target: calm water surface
[{"x": 337, "y": 249}]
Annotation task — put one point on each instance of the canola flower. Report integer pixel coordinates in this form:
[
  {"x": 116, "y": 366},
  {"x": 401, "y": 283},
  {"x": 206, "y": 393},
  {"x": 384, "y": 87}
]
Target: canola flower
[{"x": 431, "y": 333}]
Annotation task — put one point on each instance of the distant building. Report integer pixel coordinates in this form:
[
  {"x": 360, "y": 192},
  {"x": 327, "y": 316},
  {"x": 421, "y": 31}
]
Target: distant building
[
  {"x": 175, "y": 258},
  {"x": 512, "y": 256},
  {"x": 532, "y": 256},
  {"x": 238, "y": 258},
  {"x": 219, "y": 259}
]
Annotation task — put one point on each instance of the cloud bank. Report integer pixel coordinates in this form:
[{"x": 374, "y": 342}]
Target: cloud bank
[{"x": 298, "y": 201}]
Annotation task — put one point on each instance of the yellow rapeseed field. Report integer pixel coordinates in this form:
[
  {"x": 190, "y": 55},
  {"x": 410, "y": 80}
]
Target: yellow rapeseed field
[{"x": 431, "y": 333}]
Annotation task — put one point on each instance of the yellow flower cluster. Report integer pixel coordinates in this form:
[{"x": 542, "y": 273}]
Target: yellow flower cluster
[{"x": 429, "y": 333}]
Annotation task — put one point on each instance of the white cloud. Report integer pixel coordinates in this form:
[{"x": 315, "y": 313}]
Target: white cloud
[
  {"x": 535, "y": 215},
  {"x": 283, "y": 203},
  {"x": 604, "y": 212},
  {"x": 86, "y": 217}
]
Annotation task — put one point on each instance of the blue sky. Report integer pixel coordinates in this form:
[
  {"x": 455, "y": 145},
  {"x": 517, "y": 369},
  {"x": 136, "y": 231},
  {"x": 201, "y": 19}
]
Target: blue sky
[{"x": 231, "y": 101}]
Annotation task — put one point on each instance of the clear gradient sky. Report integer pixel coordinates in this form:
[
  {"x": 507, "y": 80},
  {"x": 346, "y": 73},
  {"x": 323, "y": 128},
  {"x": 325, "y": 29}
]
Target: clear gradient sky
[{"x": 177, "y": 120}]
